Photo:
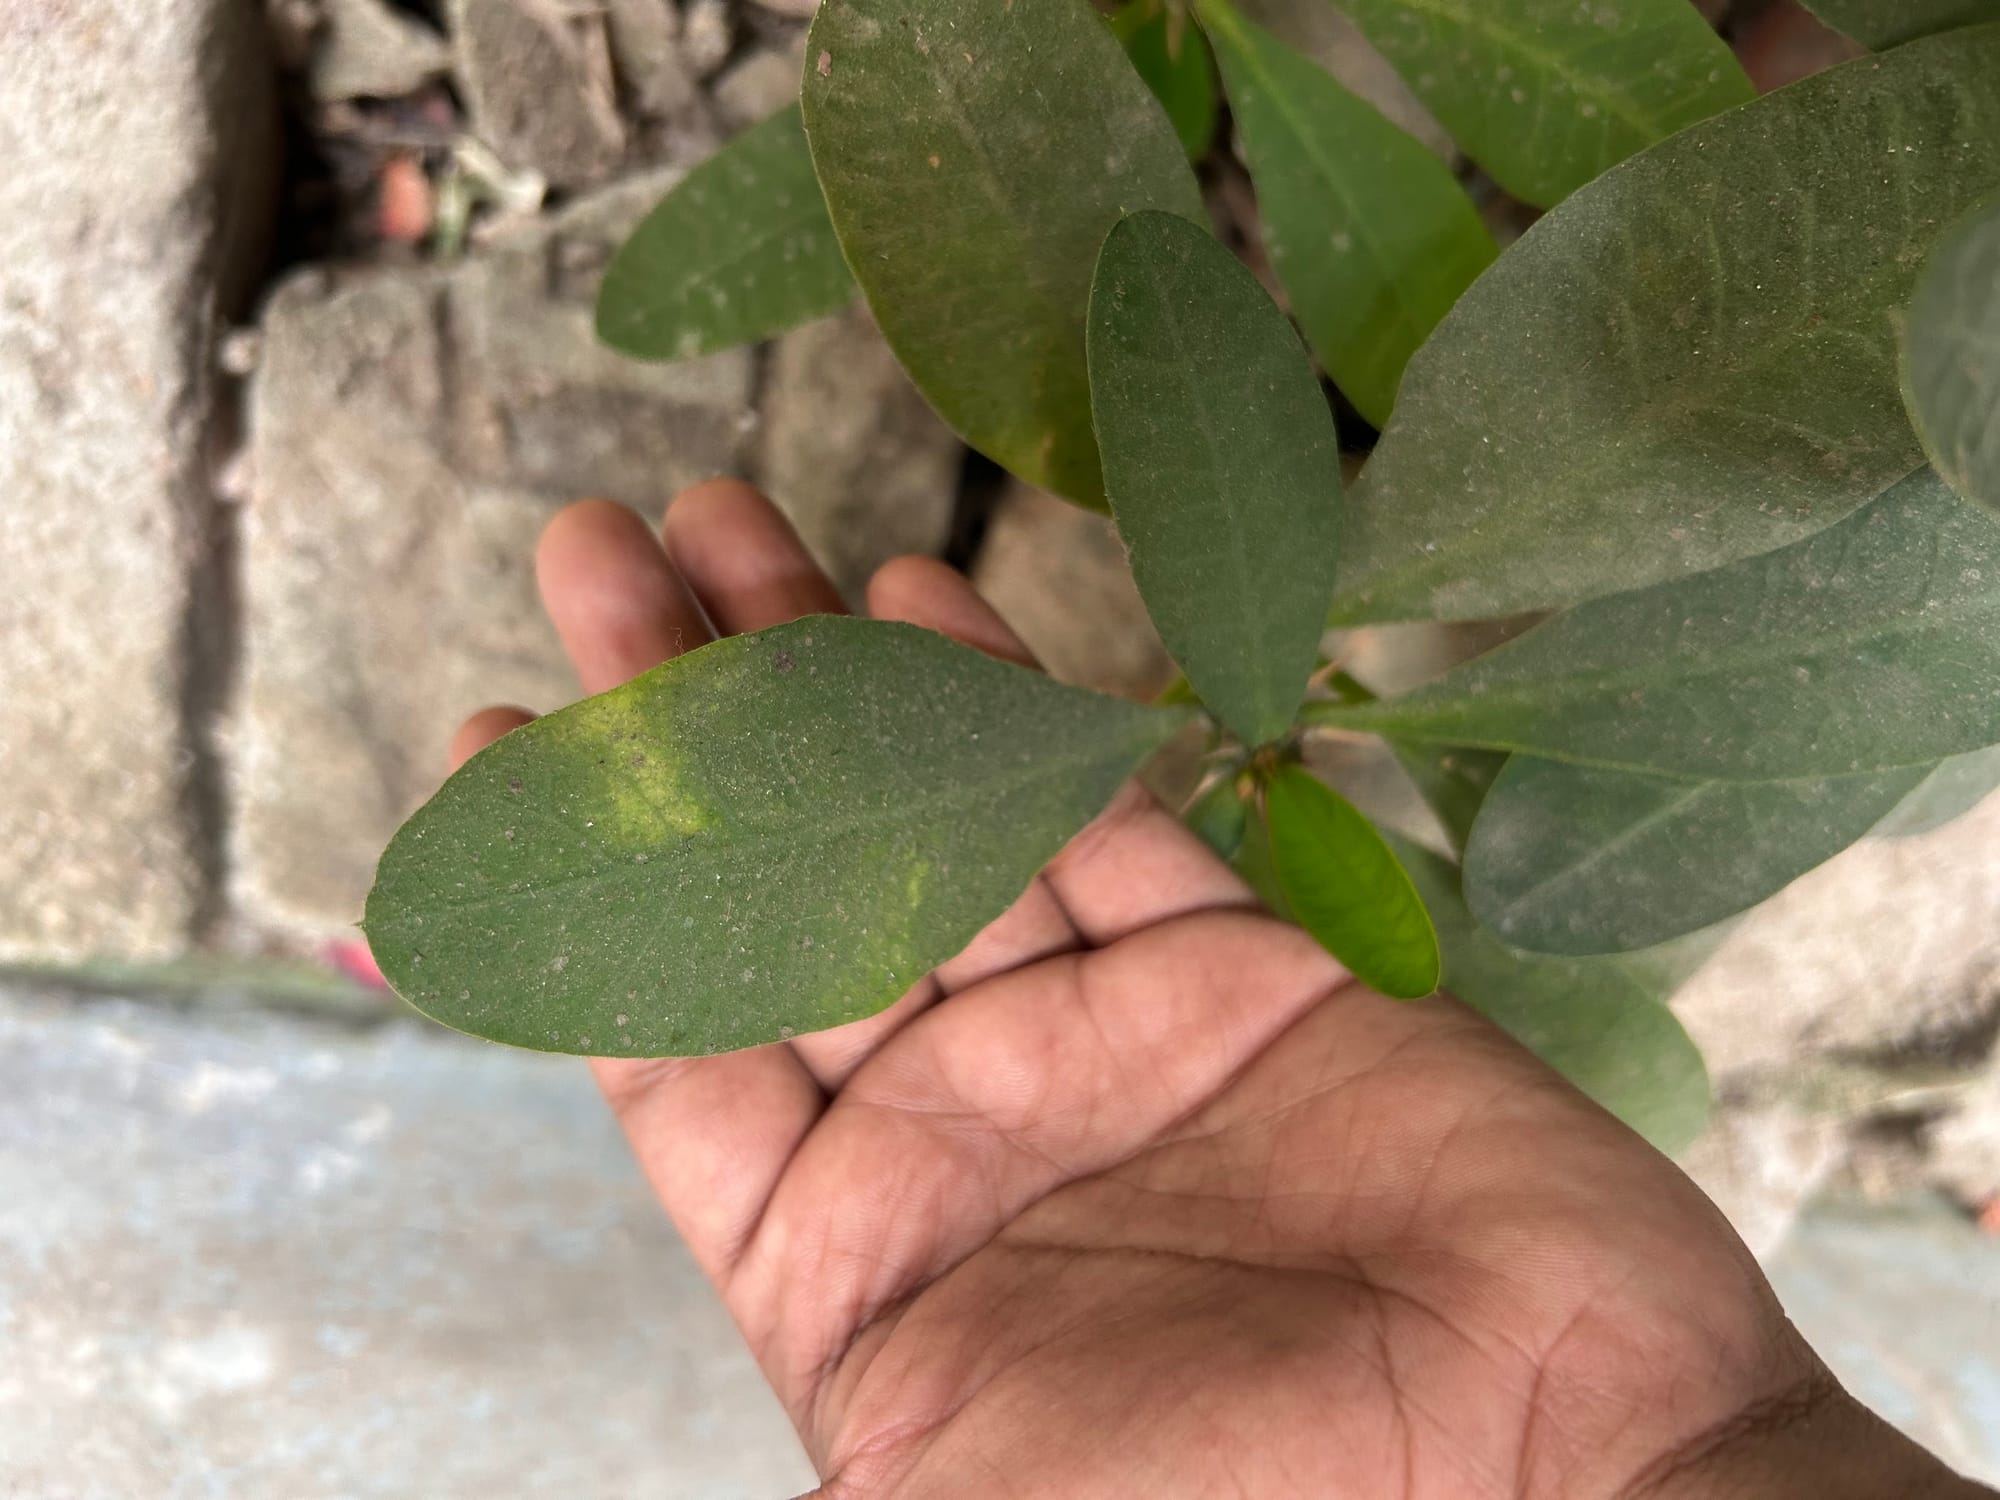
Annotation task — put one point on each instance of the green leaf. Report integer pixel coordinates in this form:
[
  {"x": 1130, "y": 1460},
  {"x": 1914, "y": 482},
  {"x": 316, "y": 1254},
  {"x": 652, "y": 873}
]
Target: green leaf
[
  {"x": 1599, "y": 1022},
  {"x": 1951, "y": 358},
  {"x": 774, "y": 834},
  {"x": 1880, "y": 24},
  {"x": 1873, "y": 645},
  {"x": 1219, "y": 817},
  {"x": 974, "y": 156},
  {"x": 1171, "y": 54},
  {"x": 1575, "y": 860},
  {"x": 1370, "y": 233},
  {"x": 1254, "y": 861},
  {"x": 1221, "y": 463},
  {"x": 1689, "y": 362},
  {"x": 1952, "y": 790},
  {"x": 1453, "y": 780},
  {"x": 740, "y": 250},
  {"x": 1546, "y": 94},
  {"x": 1346, "y": 888}
]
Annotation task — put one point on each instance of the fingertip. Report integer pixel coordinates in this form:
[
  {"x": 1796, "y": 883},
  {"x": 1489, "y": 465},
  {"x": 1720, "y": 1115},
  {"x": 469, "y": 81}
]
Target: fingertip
[
  {"x": 924, "y": 591},
  {"x": 482, "y": 729},
  {"x": 702, "y": 505},
  {"x": 743, "y": 558},
  {"x": 611, "y": 594}
]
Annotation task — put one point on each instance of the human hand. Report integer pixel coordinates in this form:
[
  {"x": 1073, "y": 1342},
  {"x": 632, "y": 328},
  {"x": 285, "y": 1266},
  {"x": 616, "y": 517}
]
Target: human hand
[{"x": 1142, "y": 1195}]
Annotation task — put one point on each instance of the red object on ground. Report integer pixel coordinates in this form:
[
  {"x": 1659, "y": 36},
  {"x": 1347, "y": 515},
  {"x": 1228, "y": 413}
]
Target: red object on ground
[
  {"x": 404, "y": 206},
  {"x": 352, "y": 958}
]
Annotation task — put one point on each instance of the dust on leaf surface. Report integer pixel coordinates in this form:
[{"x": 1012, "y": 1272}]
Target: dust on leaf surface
[
  {"x": 1546, "y": 94},
  {"x": 739, "y": 250},
  {"x": 1951, "y": 357},
  {"x": 974, "y": 155},
  {"x": 1576, "y": 860},
  {"x": 1690, "y": 361},
  {"x": 771, "y": 835},
  {"x": 1870, "y": 646},
  {"x": 1221, "y": 464},
  {"x": 1372, "y": 236}
]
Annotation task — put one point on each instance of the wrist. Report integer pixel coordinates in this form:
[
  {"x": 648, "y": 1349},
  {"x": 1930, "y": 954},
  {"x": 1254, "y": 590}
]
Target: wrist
[{"x": 1812, "y": 1443}]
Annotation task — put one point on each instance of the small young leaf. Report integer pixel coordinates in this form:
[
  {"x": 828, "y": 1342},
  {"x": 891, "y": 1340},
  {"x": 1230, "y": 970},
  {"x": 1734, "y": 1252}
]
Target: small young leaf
[
  {"x": 1221, "y": 463},
  {"x": 1600, "y": 1022},
  {"x": 740, "y": 250},
  {"x": 1370, "y": 233},
  {"x": 1219, "y": 817},
  {"x": 1171, "y": 54},
  {"x": 1346, "y": 887},
  {"x": 974, "y": 155},
  {"x": 1871, "y": 646},
  {"x": 1951, "y": 358},
  {"x": 774, "y": 834},
  {"x": 1691, "y": 361},
  {"x": 1952, "y": 790},
  {"x": 1546, "y": 94},
  {"x": 1574, "y": 860},
  {"x": 1880, "y": 24},
  {"x": 1254, "y": 861}
]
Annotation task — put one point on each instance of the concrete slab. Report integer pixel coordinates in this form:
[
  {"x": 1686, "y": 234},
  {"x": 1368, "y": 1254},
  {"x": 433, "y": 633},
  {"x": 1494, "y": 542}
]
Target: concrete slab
[{"x": 257, "y": 1256}]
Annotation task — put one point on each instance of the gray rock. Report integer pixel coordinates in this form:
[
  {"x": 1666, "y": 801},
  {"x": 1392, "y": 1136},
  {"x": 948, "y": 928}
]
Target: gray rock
[
  {"x": 1059, "y": 576},
  {"x": 1892, "y": 947},
  {"x": 1965, "y": 1144},
  {"x": 532, "y": 91},
  {"x": 367, "y": 50},
  {"x": 851, "y": 452},
  {"x": 247, "y": 1255},
  {"x": 410, "y": 436},
  {"x": 134, "y": 136},
  {"x": 646, "y": 46},
  {"x": 760, "y": 85},
  {"x": 707, "y": 35}
]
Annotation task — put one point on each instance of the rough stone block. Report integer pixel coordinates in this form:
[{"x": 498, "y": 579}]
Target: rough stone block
[
  {"x": 133, "y": 133},
  {"x": 857, "y": 459},
  {"x": 1892, "y": 947},
  {"x": 1059, "y": 576},
  {"x": 533, "y": 93},
  {"x": 411, "y": 434}
]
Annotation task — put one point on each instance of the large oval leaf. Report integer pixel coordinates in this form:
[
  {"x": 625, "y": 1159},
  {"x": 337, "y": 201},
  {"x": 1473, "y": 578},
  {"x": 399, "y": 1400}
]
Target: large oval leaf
[
  {"x": 974, "y": 155},
  {"x": 1546, "y": 94},
  {"x": 1599, "y": 1022},
  {"x": 1690, "y": 361},
  {"x": 1878, "y": 24},
  {"x": 1370, "y": 233},
  {"x": 1221, "y": 464},
  {"x": 1344, "y": 886},
  {"x": 740, "y": 250},
  {"x": 1171, "y": 54},
  {"x": 1575, "y": 860},
  {"x": 1871, "y": 646},
  {"x": 1951, "y": 360},
  {"x": 774, "y": 834}
]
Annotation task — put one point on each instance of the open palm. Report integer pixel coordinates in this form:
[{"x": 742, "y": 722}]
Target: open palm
[{"x": 1141, "y": 1195}]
